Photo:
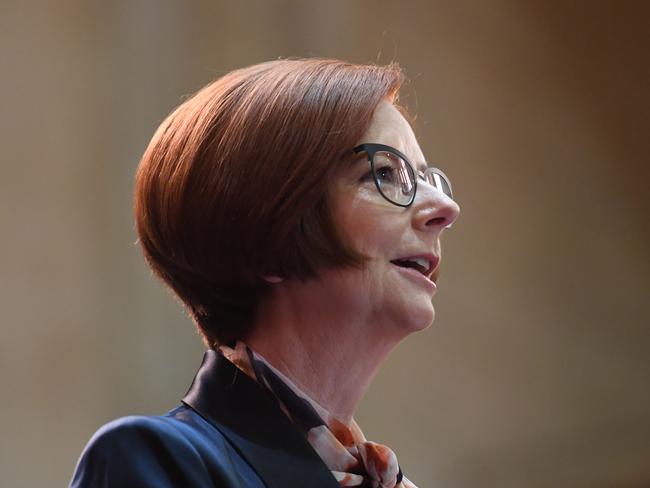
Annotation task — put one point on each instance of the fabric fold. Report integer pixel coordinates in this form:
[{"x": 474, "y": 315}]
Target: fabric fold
[{"x": 352, "y": 460}]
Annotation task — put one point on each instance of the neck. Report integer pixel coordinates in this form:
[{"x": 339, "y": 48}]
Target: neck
[{"x": 332, "y": 353}]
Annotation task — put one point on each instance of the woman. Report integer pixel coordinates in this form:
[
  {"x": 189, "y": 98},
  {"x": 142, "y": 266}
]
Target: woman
[{"x": 290, "y": 208}]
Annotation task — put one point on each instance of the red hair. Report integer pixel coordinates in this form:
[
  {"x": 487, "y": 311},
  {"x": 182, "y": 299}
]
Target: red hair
[{"x": 234, "y": 183}]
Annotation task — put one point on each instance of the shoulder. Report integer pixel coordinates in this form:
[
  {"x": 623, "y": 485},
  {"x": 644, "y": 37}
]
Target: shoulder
[{"x": 178, "y": 449}]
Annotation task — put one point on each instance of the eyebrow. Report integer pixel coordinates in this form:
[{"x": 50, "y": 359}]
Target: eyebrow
[
  {"x": 421, "y": 166},
  {"x": 360, "y": 157}
]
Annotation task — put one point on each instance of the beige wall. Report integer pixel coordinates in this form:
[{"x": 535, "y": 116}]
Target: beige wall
[{"x": 536, "y": 371}]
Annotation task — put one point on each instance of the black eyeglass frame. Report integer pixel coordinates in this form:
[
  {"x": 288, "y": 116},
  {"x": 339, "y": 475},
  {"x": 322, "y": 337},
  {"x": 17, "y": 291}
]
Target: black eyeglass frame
[{"x": 372, "y": 148}]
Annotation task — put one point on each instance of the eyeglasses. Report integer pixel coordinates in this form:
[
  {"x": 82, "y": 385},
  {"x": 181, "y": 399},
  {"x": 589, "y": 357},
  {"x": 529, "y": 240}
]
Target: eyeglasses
[{"x": 395, "y": 177}]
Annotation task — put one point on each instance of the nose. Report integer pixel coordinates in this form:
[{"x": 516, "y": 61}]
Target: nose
[{"x": 432, "y": 209}]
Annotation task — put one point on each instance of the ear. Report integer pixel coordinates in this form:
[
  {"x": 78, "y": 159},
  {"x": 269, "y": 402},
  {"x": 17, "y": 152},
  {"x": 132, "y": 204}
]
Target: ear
[{"x": 272, "y": 279}]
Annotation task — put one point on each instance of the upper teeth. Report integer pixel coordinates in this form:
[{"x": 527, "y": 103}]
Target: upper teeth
[{"x": 422, "y": 262}]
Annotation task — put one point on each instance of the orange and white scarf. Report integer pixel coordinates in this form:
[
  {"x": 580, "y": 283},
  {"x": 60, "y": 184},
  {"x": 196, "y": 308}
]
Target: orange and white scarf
[{"x": 353, "y": 460}]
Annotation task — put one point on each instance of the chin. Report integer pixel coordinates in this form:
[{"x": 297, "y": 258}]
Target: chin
[
  {"x": 418, "y": 318},
  {"x": 426, "y": 319}
]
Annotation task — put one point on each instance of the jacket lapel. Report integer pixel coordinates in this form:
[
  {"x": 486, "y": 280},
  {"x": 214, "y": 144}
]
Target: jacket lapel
[{"x": 250, "y": 417}]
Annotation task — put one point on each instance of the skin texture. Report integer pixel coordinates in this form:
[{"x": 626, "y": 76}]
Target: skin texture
[{"x": 330, "y": 335}]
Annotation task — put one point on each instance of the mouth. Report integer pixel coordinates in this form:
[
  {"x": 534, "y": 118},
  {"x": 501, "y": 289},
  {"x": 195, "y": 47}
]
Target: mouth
[{"x": 425, "y": 264}]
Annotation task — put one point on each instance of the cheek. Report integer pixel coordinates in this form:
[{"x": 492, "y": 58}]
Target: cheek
[
  {"x": 372, "y": 241},
  {"x": 372, "y": 230}
]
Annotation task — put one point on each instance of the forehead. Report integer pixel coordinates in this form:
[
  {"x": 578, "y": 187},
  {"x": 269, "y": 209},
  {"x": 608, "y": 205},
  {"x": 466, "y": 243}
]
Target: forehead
[{"x": 388, "y": 126}]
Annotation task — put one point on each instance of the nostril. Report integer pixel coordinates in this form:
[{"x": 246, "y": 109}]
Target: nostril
[{"x": 436, "y": 221}]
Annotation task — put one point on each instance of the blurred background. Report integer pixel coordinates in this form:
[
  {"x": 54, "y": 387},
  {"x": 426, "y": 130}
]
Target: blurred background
[{"x": 536, "y": 372}]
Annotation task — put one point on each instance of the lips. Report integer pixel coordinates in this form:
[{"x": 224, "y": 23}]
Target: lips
[{"x": 425, "y": 264}]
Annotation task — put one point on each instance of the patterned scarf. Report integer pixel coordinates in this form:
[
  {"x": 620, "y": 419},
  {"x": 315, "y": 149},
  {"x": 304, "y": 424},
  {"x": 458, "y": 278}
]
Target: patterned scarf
[{"x": 352, "y": 459}]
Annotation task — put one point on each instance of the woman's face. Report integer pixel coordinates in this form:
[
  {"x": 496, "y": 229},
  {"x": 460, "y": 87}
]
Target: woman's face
[{"x": 389, "y": 289}]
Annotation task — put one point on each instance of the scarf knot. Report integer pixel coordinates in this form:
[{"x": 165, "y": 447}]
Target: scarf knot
[{"x": 353, "y": 460}]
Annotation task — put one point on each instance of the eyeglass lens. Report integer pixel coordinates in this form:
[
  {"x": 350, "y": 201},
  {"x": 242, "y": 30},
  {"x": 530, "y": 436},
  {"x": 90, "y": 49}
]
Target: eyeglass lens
[
  {"x": 394, "y": 176},
  {"x": 437, "y": 179}
]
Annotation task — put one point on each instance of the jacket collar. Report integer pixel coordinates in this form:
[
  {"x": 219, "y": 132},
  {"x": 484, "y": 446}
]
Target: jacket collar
[{"x": 250, "y": 417}]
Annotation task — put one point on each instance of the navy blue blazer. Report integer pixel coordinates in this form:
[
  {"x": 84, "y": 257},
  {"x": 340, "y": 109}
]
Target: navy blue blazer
[{"x": 228, "y": 432}]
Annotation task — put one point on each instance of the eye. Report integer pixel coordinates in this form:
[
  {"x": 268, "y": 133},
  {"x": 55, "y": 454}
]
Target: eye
[{"x": 385, "y": 174}]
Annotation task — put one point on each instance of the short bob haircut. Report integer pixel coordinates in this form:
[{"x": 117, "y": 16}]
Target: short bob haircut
[{"x": 234, "y": 183}]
